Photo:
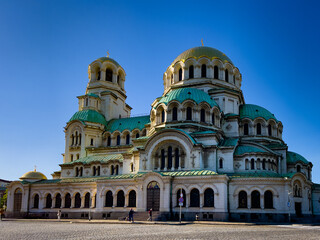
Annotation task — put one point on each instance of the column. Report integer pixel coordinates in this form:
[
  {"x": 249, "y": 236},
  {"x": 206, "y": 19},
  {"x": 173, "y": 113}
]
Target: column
[
  {"x": 62, "y": 202},
  {"x": 262, "y": 201},
  {"x": 53, "y": 202},
  {"x": 72, "y": 202},
  {"x": 249, "y": 201},
  {"x": 114, "y": 78},
  {"x": 159, "y": 163},
  {"x": 114, "y": 200},
  {"x": 126, "y": 200},
  {"x": 102, "y": 75},
  {"x": 201, "y": 200},
  {"x": 93, "y": 200},
  {"x": 82, "y": 202},
  {"x": 166, "y": 161},
  {"x": 187, "y": 199}
]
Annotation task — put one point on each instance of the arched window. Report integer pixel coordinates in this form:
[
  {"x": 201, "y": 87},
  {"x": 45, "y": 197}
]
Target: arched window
[
  {"x": 117, "y": 170},
  {"x": 77, "y": 200},
  {"x": 234, "y": 79},
  {"x": 243, "y": 200},
  {"x": 194, "y": 198},
  {"x": 58, "y": 201},
  {"x": 252, "y": 164},
  {"x": 118, "y": 140},
  {"x": 213, "y": 119},
  {"x": 118, "y": 79},
  {"x": 180, "y": 74},
  {"x": 169, "y": 157},
  {"x": 81, "y": 171},
  {"x": 264, "y": 164},
  {"x": 216, "y": 72},
  {"x": 227, "y": 75},
  {"x": 17, "y": 200},
  {"x": 99, "y": 75},
  {"x": 80, "y": 139},
  {"x": 109, "y": 199},
  {"x": 269, "y": 130},
  {"x": 246, "y": 129},
  {"x": 132, "y": 198},
  {"x": 203, "y": 71},
  {"x": 202, "y": 115},
  {"x": 176, "y": 156},
  {"x": 189, "y": 113},
  {"x": 209, "y": 198},
  {"x": 128, "y": 139},
  {"x": 131, "y": 167},
  {"x": 220, "y": 163},
  {"x": 48, "y": 201},
  {"x": 72, "y": 140},
  {"x": 174, "y": 114},
  {"x": 36, "y": 201},
  {"x": 71, "y": 157},
  {"x": 184, "y": 197},
  {"x": 162, "y": 116},
  {"x": 78, "y": 156},
  {"x": 112, "y": 170},
  {"x": 94, "y": 170},
  {"x": 247, "y": 164},
  {"x": 255, "y": 199},
  {"x": 109, "y": 74},
  {"x": 87, "y": 101},
  {"x": 67, "y": 200},
  {"x": 120, "y": 199},
  {"x": 137, "y": 135},
  {"x": 163, "y": 159},
  {"x": 258, "y": 128},
  {"x": 191, "y": 72},
  {"x": 298, "y": 168},
  {"x": 87, "y": 200},
  {"x": 91, "y": 142},
  {"x": 98, "y": 171},
  {"x": 268, "y": 199},
  {"x": 109, "y": 141}
]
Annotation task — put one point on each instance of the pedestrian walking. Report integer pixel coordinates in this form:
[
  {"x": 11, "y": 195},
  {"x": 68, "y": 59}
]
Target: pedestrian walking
[
  {"x": 59, "y": 214},
  {"x": 150, "y": 215},
  {"x": 131, "y": 215}
]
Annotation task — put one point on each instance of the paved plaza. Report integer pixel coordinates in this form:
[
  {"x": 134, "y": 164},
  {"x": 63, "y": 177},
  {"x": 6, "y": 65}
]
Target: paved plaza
[{"x": 30, "y": 229}]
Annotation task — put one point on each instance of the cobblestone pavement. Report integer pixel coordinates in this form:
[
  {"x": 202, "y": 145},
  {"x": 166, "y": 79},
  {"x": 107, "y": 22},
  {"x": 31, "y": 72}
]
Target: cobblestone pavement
[{"x": 65, "y": 230}]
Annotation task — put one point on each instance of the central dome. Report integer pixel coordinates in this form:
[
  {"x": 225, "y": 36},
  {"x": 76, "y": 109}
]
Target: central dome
[{"x": 198, "y": 52}]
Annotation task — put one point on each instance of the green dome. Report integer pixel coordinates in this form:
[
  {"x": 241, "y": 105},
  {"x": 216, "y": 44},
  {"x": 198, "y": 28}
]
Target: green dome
[
  {"x": 183, "y": 94},
  {"x": 254, "y": 111},
  {"x": 198, "y": 52},
  {"x": 293, "y": 157},
  {"x": 89, "y": 116},
  {"x": 104, "y": 59}
]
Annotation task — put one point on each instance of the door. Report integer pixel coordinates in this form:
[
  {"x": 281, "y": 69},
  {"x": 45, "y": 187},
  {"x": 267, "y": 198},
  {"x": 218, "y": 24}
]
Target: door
[
  {"x": 153, "y": 196},
  {"x": 297, "y": 206}
]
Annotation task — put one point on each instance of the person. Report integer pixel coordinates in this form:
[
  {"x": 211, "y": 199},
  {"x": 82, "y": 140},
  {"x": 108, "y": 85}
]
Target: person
[
  {"x": 59, "y": 214},
  {"x": 150, "y": 215},
  {"x": 131, "y": 215}
]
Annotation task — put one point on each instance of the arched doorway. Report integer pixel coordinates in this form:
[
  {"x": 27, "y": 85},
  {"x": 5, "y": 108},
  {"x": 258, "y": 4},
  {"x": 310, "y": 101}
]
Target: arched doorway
[
  {"x": 153, "y": 196},
  {"x": 17, "y": 200}
]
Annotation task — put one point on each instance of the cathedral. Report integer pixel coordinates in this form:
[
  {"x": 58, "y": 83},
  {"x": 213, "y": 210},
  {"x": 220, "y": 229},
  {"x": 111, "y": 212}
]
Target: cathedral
[{"x": 201, "y": 150}]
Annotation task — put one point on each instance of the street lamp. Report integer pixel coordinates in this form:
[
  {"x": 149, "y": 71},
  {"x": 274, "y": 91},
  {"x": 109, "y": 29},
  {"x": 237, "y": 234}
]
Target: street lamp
[{"x": 289, "y": 204}]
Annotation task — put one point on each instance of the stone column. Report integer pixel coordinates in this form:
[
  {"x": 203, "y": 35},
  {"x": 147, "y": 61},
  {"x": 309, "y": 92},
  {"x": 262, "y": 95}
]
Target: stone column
[
  {"x": 201, "y": 200},
  {"x": 159, "y": 163},
  {"x": 93, "y": 200},
  {"x": 114, "y": 77},
  {"x": 63, "y": 202},
  {"x": 249, "y": 201},
  {"x": 114, "y": 200},
  {"x": 187, "y": 199},
  {"x": 102, "y": 75},
  {"x": 126, "y": 200},
  {"x": 53, "y": 204},
  {"x": 166, "y": 161},
  {"x": 72, "y": 202},
  {"x": 262, "y": 201},
  {"x": 82, "y": 202}
]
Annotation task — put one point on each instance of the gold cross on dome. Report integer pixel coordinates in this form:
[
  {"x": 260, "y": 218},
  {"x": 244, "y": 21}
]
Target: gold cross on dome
[
  {"x": 35, "y": 168},
  {"x": 108, "y": 53},
  {"x": 202, "y": 41}
]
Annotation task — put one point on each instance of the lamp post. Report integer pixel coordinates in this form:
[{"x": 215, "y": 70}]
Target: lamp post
[{"x": 289, "y": 204}]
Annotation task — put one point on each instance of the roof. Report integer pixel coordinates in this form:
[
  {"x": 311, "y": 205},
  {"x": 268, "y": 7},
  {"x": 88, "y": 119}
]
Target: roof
[
  {"x": 96, "y": 158},
  {"x": 128, "y": 123},
  {"x": 240, "y": 150},
  {"x": 188, "y": 173},
  {"x": 198, "y": 52},
  {"x": 203, "y": 132},
  {"x": 293, "y": 157},
  {"x": 89, "y": 116},
  {"x": 104, "y": 59},
  {"x": 34, "y": 175},
  {"x": 259, "y": 174},
  {"x": 183, "y": 94},
  {"x": 254, "y": 111},
  {"x": 92, "y": 95},
  {"x": 229, "y": 142}
]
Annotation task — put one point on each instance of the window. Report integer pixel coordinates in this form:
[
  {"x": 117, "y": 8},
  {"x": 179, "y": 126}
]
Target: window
[
  {"x": 268, "y": 199},
  {"x": 264, "y": 164},
  {"x": 87, "y": 200},
  {"x": 77, "y": 201},
  {"x": 67, "y": 201},
  {"x": 118, "y": 140},
  {"x": 194, "y": 198},
  {"x": 117, "y": 170},
  {"x": 99, "y": 75},
  {"x": 191, "y": 72},
  {"x": 128, "y": 139},
  {"x": 58, "y": 201},
  {"x": 269, "y": 130},
  {"x": 169, "y": 158},
  {"x": 202, "y": 115},
  {"x": 137, "y": 135},
  {"x": 80, "y": 139},
  {"x": 174, "y": 114},
  {"x": 179, "y": 195},
  {"x": 255, "y": 199},
  {"x": 163, "y": 159},
  {"x": 120, "y": 199},
  {"x": 246, "y": 129},
  {"x": 252, "y": 164},
  {"x": 203, "y": 71},
  {"x": 131, "y": 167},
  {"x": 109, "y": 141},
  {"x": 234, "y": 79},
  {"x": 36, "y": 201},
  {"x": 87, "y": 101},
  {"x": 112, "y": 170},
  {"x": 189, "y": 113},
  {"x": 132, "y": 198},
  {"x": 227, "y": 75},
  {"x": 109, "y": 199},
  {"x": 78, "y": 156},
  {"x": 118, "y": 79},
  {"x": 91, "y": 142},
  {"x": 298, "y": 168},
  {"x": 162, "y": 116},
  {"x": 243, "y": 200},
  {"x": 109, "y": 74},
  {"x": 98, "y": 171},
  {"x": 213, "y": 119},
  {"x": 259, "y": 129},
  {"x": 216, "y": 72},
  {"x": 180, "y": 74},
  {"x": 71, "y": 157},
  {"x": 176, "y": 155},
  {"x": 48, "y": 201},
  {"x": 94, "y": 170},
  {"x": 80, "y": 171},
  {"x": 209, "y": 198},
  {"x": 220, "y": 163}
]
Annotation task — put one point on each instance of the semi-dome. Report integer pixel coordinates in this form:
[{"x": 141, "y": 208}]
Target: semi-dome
[
  {"x": 89, "y": 116},
  {"x": 33, "y": 176},
  {"x": 252, "y": 112},
  {"x": 198, "y": 52},
  {"x": 293, "y": 157},
  {"x": 107, "y": 59},
  {"x": 183, "y": 94}
]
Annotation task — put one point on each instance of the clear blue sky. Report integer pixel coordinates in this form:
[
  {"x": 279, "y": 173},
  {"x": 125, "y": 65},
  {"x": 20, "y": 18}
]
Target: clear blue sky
[{"x": 46, "y": 46}]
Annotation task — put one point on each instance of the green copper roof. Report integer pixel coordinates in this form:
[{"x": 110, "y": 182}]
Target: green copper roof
[
  {"x": 92, "y": 95},
  {"x": 198, "y": 52},
  {"x": 240, "y": 150},
  {"x": 127, "y": 123},
  {"x": 183, "y": 94},
  {"x": 89, "y": 116},
  {"x": 104, "y": 59},
  {"x": 229, "y": 142},
  {"x": 293, "y": 157},
  {"x": 255, "y": 174},
  {"x": 188, "y": 173},
  {"x": 253, "y": 111},
  {"x": 203, "y": 132},
  {"x": 97, "y": 158}
]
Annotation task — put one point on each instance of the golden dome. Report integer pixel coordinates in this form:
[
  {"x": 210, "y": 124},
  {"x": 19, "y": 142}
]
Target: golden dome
[{"x": 33, "y": 176}]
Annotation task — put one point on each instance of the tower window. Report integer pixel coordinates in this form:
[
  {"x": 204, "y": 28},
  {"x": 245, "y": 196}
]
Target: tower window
[
  {"x": 118, "y": 140},
  {"x": 128, "y": 139},
  {"x": 99, "y": 75},
  {"x": 109, "y": 141},
  {"x": 137, "y": 135},
  {"x": 216, "y": 72},
  {"x": 203, "y": 71},
  {"x": 203, "y": 115},
  {"x": 180, "y": 74},
  {"x": 71, "y": 157},
  {"x": 246, "y": 129},
  {"x": 109, "y": 74},
  {"x": 87, "y": 101},
  {"x": 227, "y": 75},
  {"x": 213, "y": 119},
  {"x": 259, "y": 129},
  {"x": 221, "y": 163},
  {"x": 174, "y": 114},
  {"x": 189, "y": 113},
  {"x": 91, "y": 142},
  {"x": 162, "y": 116},
  {"x": 298, "y": 168},
  {"x": 252, "y": 164},
  {"x": 191, "y": 71},
  {"x": 269, "y": 130}
]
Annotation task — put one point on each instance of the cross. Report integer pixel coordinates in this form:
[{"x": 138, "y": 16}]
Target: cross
[
  {"x": 193, "y": 157},
  {"x": 108, "y": 53},
  {"x": 35, "y": 168},
  {"x": 144, "y": 164},
  {"x": 202, "y": 41}
]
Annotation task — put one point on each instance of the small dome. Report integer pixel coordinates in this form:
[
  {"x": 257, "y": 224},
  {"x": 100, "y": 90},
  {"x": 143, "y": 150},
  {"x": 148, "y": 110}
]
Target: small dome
[
  {"x": 183, "y": 94},
  {"x": 254, "y": 111},
  {"x": 198, "y": 52},
  {"x": 33, "y": 176},
  {"x": 293, "y": 157},
  {"x": 89, "y": 116},
  {"x": 107, "y": 59}
]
